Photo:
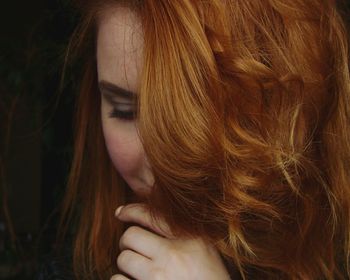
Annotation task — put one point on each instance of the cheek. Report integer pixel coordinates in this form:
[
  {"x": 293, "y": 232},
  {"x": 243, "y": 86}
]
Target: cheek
[{"x": 124, "y": 148}]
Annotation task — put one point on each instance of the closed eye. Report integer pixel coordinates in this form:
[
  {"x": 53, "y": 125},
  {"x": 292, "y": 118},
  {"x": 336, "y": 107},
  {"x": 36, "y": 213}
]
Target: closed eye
[{"x": 123, "y": 112}]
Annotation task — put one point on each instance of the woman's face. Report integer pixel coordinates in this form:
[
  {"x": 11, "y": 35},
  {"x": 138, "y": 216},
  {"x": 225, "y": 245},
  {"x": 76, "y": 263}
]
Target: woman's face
[{"x": 119, "y": 54}]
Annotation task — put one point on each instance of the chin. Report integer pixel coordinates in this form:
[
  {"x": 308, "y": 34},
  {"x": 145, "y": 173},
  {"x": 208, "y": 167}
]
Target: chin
[{"x": 138, "y": 191}]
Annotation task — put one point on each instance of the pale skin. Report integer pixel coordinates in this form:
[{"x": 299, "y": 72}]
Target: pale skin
[{"x": 149, "y": 250}]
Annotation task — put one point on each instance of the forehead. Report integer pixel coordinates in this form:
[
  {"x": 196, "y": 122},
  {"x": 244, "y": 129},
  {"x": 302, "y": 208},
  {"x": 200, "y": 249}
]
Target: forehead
[{"x": 119, "y": 47}]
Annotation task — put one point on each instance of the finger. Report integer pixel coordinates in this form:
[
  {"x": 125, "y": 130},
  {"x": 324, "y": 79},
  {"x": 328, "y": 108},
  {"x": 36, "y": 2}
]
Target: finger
[
  {"x": 142, "y": 241},
  {"x": 134, "y": 264},
  {"x": 139, "y": 213},
  {"x": 119, "y": 277}
]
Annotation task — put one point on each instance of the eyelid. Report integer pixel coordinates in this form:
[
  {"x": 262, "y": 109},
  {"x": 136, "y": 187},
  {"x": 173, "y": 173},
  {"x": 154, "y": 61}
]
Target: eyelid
[
  {"x": 119, "y": 101},
  {"x": 112, "y": 98},
  {"x": 124, "y": 107},
  {"x": 122, "y": 115},
  {"x": 114, "y": 101}
]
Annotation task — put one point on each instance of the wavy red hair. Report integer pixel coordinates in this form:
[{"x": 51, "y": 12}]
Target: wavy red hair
[{"x": 244, "y": 116}]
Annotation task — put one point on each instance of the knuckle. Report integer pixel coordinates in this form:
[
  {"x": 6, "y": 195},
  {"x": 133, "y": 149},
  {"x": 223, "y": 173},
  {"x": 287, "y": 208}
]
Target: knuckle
[
  {"x": 157, "y": 274},
  {"x": 124, "y": 258},
  {"x": 176, "y": 256},
  {"x": 129, "y": 235},
  {"x": 132, "y": 231},
  {"x": 172, "y": 250},
  {"x": 117, "y": 277}
]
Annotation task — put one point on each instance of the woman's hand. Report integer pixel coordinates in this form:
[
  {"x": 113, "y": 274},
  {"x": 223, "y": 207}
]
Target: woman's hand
[{"x": 151, "y": 252}]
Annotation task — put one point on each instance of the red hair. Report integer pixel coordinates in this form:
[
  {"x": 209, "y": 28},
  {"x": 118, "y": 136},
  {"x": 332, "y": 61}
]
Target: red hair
[{"x": 244, "y": 116}]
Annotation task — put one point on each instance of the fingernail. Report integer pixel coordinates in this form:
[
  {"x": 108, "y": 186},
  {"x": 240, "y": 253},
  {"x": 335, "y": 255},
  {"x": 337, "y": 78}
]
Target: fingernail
[{"x": 117, "y": 212}]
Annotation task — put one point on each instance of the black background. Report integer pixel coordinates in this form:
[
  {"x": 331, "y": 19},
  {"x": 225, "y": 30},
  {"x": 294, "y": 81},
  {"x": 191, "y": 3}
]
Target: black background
[{"x": 36, "y": 107}]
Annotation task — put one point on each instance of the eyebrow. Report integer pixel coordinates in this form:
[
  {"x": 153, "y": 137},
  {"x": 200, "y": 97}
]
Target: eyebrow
[{"x": 107, "y": 87}]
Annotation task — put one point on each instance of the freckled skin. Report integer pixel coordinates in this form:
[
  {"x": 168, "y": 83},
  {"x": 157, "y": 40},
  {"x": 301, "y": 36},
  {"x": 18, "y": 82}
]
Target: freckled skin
[
  {"x": 119, "y": 61},
  {"x": 149, "y": 250}
]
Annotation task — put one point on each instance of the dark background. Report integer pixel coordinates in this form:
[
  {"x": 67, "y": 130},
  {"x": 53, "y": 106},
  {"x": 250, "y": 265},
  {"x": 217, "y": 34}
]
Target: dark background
[{"x": 36, "y": 106}]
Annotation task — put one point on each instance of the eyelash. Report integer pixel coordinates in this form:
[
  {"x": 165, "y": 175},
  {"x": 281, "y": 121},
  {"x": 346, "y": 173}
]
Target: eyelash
[{"x": 122, "y": 115}]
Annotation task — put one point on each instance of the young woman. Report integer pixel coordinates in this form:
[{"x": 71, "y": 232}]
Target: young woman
[{"x": 212, "y": 141}]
